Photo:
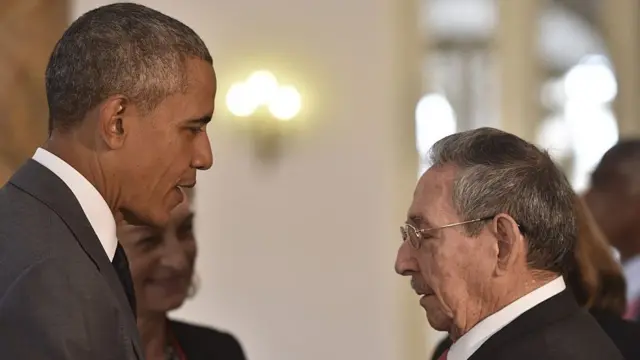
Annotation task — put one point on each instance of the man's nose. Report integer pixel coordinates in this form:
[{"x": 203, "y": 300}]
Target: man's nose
[
  {"x": 174, "y": 257},
  {"x": 203, "y": 156},
  {"x": 405, "y": 263}
]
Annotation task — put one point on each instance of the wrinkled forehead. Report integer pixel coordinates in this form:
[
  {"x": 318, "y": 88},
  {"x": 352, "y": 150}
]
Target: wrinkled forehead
[{"x": 432, "y": 205}]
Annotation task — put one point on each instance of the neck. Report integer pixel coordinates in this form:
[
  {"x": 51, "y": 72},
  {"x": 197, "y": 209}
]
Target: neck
[
  {"x": 70, "y": 148},
  {"x": 502, "y": 293},
  {"x": 153, "y": 332}
]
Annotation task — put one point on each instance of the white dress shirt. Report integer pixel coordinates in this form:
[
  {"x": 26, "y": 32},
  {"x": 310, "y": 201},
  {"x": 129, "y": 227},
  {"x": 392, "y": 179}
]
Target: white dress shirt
[
  {"x": 92, "y": 203},
  {"x": 472, "y": 340},
  {"x": 631, "y": 269}
]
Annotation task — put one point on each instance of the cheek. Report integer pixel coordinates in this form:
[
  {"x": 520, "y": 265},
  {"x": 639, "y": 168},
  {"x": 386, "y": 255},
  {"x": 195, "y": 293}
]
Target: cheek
[
  {"x": 157, "y": 150},
  {"x": 449, "y": 266},
  {"x": 142, "y": 268},
  {"x": 172, "y": 163},
  {"x": 442, "y": 258},
  {"x": 613, "y": 213},
  {"x": 190, "y": 255}
]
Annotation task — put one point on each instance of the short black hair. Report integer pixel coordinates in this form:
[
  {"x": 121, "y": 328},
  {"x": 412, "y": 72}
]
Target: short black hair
[
  {"x": 620, "y": 163},
  {"x": 122, "y": 48}
]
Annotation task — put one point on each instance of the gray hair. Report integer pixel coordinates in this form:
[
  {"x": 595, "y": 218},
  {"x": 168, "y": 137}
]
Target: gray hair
[
  {"x": 122, "y": 48},
  {"x": 500, "y": 173}
]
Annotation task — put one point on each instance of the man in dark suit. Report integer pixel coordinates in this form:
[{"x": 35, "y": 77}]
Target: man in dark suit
[
  {"x": 487, "y": 238},
  {"x": 130, "y": 92}
]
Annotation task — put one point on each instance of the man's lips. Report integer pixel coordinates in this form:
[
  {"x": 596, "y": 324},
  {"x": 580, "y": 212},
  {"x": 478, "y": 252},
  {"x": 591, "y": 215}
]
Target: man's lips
[
  {"x": 187, "y": 185},
  {"x": 421, "y": 290}
]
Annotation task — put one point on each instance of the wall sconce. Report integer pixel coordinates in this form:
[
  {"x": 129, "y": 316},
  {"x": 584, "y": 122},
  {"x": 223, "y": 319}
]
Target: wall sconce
[{"x": 266, "y": 109}]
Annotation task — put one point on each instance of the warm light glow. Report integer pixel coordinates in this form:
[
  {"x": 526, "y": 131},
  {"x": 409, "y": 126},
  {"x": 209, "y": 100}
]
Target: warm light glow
[
  {"x": 435, "y": 119},
  {"x": 594, "y": 130},
  {"x": 583, "y": 126},
  {"x": 286, "y": 103},
  {"x": 239, "y": 100},
  {"x": 263, "y": 86},
  {"x": 261, "y": 89},
  {"x": 554, "y": 135},
  {"x": 591, "y": 81}
]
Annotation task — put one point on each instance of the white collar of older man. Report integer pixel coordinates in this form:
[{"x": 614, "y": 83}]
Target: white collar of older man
[{"x": 472, "y": 340}]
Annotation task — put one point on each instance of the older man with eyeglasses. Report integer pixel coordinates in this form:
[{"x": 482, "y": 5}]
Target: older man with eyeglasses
[{"x": 486, "y": 241}]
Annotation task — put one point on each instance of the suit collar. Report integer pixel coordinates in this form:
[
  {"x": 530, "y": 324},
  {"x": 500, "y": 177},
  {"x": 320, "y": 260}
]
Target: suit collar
[
  {"x": 38, "y": 181},
  {"x": 481, "y": 332},
  {"x": 547, "y": 312},
  {"x": 44, "y": 185},
  {"x": 93, "y": 204}
]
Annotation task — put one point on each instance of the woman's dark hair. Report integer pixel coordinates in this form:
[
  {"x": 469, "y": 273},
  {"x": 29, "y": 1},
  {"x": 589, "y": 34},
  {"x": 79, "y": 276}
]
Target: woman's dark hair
[{"x": 596, "y": 277}]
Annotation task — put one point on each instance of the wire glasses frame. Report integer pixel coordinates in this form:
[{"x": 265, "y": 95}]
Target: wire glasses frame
[{"x": 416, "y": 236}]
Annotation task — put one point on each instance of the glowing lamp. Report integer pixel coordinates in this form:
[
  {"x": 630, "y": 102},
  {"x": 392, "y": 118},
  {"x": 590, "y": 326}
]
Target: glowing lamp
[{"x": 267, "y": 103}]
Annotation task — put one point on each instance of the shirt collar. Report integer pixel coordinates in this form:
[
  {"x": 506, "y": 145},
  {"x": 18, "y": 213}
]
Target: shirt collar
[
  {"x": 472, "y": 340},
  {"x": 631, "y": 270},
  {"x": 93, "y": 204}
]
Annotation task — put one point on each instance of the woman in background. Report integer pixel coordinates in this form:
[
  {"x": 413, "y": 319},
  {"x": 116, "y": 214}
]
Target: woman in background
[
  {"x": 598, "y": 284},
  {"x": 162, "y": 268}
]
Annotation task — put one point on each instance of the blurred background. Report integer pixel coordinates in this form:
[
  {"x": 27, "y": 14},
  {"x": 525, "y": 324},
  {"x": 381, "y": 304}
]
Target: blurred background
[{"x": 297, "y": 221}]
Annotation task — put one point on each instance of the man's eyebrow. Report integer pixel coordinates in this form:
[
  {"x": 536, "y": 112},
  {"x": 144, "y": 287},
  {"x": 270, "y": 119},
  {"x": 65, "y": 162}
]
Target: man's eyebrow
[
  {"x": 200, "y": 121},
  {"x": 415, "y": 219},
  {"x": 418, "y": 221}
]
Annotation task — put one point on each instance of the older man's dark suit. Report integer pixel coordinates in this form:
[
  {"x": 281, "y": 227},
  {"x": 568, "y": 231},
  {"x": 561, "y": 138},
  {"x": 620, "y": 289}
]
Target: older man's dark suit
[
  {"x": 556, "y": 329},
  {"x": 60, "y": 297}
]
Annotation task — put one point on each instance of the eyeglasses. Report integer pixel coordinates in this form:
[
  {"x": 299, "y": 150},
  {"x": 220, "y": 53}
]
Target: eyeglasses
[{"x": 416, "y": 236}]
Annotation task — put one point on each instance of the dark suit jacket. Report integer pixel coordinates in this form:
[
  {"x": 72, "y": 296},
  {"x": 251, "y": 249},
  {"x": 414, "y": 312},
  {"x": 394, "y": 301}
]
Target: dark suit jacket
[
  {"x": 201, "y": 343},
  {"x": 556, "y": 329},
  {"x": 625, "y": 334},
  {"x": 60, "y": 297}
]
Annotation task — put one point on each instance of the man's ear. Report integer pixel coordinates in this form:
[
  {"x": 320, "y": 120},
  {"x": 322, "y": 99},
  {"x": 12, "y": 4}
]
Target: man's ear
[
  {"x": 112, "y": 125},
  {"x": 511, "y": 243}
]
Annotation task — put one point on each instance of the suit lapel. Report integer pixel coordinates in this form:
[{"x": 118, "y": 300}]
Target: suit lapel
[
  {"x": 40, "y": 182},
  {"x": 547, "y": 312}
]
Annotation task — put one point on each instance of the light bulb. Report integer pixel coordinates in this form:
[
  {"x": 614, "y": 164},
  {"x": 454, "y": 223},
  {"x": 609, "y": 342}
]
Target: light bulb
[
  {"x": 286, "y": 103},
  {"x": 263, "y": 85},
  {"x": 591, "y": 83},
  {"x": 239, "y": 100}
]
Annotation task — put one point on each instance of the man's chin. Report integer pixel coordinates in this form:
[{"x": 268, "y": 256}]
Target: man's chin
[
  {"x": 157, "y": 219},
  {"x": 438, "y": 324},
  {"x": 437, "y": 319}
]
